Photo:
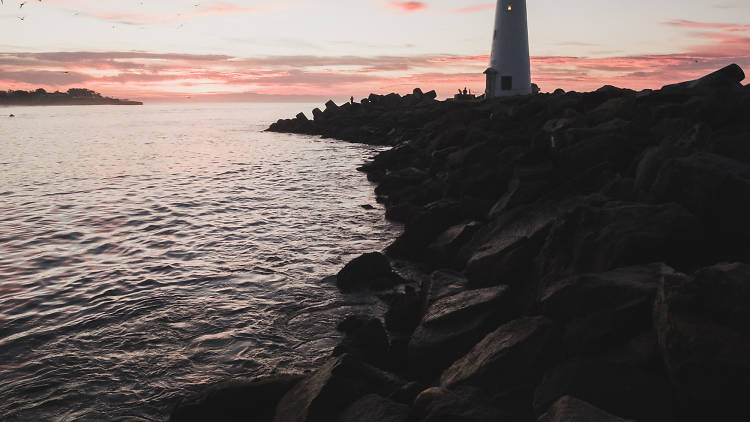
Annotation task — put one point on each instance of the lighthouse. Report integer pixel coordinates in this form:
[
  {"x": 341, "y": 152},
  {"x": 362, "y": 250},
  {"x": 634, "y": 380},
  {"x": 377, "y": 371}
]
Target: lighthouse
[{"x": 510, "y": 71}]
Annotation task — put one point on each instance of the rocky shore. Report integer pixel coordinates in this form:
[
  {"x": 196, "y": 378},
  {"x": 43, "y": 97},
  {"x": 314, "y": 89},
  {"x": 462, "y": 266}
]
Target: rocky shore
[{"x": 586, "y": 257}]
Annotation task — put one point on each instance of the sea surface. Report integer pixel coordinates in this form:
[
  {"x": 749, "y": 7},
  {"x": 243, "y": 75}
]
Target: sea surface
[{"x": 147, "y": 252}]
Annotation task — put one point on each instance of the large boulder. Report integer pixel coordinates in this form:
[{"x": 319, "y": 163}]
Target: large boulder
[
  {"x": 439, "y": 404},
  {"x": 585, "y": 294},
  {"x": 715, "y": 188},
  {"x": 571, "y": 409},
  {"x": 327, "y": 392},
  {"x": 317, "y": 114},
  {"x": 368, "y": 271},
  {"x": 375, "y": 408},
  {"x": 236, "y": 400},
  {"x": 601, "y": 238},
  {"x": 619, "y": 389},
  {"x": 452, "y": 325},
  {"x": 508, "y": 360},
  {"x": 603, "y": 311},
  {"x": 703, "y": 327},
  {"x": 730, "y": 76}
]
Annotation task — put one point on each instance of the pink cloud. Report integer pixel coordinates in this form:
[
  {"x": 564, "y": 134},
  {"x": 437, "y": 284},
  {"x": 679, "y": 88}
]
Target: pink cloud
[
  {"x": 218, "y": 8},
  {"x": 408, "y": 6}
]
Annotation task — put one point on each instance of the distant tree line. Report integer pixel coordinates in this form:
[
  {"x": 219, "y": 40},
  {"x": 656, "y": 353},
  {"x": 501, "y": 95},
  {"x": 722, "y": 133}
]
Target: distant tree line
[{"x": 73, "y": 96}]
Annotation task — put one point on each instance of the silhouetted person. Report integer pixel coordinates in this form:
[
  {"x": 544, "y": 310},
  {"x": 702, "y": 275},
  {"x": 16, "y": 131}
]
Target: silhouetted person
[
  {"x": 465, "y": 91},
  {"x": 352, "y": 99}
]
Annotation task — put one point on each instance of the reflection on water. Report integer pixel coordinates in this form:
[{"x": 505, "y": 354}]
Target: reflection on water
[{"x": 147, "y": 251}]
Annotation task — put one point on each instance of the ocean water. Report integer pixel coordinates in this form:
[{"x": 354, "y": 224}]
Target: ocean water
[{"x": 147, "y": 252}]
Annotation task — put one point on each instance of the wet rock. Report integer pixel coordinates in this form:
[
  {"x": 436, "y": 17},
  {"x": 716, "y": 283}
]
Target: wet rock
[
  {"x": 368, "y": 271},
  {"x": 452, "y": 325},
  {"x": 327, "y": 392},
  {"x": 571, "y": 409},
  {"x": 446, "y": 246},
  {"x": 510, "y": 359},
  {"x": 235, "y": 400},
  {"x": 619, "y": 389},
  {"x": 375, "y": 408},
  {"x": 404, "y": 310},
  {"x": 365, "y": 338},
  {"x": 703, "y": 327}
]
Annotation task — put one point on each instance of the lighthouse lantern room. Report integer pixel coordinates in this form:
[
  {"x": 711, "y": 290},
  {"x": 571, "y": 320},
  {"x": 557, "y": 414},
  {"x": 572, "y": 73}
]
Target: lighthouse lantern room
[{"x": 510, "y": 71}]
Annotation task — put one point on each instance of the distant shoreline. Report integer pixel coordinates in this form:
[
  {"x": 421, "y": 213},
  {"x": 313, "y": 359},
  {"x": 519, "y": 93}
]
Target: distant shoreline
[{"x": 73, "y": 97}]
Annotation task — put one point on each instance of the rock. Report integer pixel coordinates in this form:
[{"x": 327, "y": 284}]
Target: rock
[
  {"x": 430, "y": 95},
  {"x": 730, "y": 76},
  {"x": 571, "y": 409},
  {"x": 559, "y": 91},
  {"x": 453, "y": 325},
  {"x": 301, "y": 116},
  {"x": 443, "y": 283},
  {"x": 331, "y": 106},
  {"x": 703, "y": 326},
  {"x": 438, "y": 404},
  {"x": 365, "y": 338},
  {"x": 586, "y": 294},
  {"x": 619, "y": 389},
  {"x": 235, "y": 400},
  {"x": 601, "y": 238},
  {"x": 715, "y": 188},
  {"x": 368, "y": 271},
  {"x": 375, "y": 408},
  {"x": 535, "y": 89},
  {"x": 404, "y": 310},
  {"x": 423, "y": 228},
  {"x": 510, "y": 359},
  {"x": 604, "y": 310},
  {"x": 317, "y": 114},
  {"x": 446, "y": 246},
  {"x": 367, "y": 207},
  {"x": 321, "y": 396}
]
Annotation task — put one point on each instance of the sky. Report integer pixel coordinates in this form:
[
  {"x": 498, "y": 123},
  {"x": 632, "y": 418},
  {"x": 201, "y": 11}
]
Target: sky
[{"x": 271, "y": 49}]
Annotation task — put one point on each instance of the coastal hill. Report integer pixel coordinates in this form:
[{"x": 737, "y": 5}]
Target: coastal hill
[
  {"x": 572, "y": 257},
  {"x": 74, "y": 96}
]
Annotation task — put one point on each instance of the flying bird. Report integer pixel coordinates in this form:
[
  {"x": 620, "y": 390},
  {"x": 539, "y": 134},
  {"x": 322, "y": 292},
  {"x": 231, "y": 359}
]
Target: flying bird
[{"x": 21, "y": 5}]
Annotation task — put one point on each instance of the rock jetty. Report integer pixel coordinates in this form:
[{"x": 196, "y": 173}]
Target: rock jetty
[{"x": 587, "y": 257}]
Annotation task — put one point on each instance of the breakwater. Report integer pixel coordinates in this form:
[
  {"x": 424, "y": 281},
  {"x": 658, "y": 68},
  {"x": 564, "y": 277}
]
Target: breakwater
[{"x": 585, "y": 258}]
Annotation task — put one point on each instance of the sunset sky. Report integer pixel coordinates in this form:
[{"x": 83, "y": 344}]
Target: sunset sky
[{"x": 337, "y": 48}]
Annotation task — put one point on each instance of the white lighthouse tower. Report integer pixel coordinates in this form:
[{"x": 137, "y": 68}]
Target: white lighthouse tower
[{"x": 510, "y": 71}]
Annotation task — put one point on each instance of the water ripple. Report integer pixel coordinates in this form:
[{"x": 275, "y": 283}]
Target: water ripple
[{"x": 139, "y": 265}]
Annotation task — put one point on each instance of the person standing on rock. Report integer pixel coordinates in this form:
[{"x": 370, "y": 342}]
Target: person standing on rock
[{"x": 352, "y": 99}]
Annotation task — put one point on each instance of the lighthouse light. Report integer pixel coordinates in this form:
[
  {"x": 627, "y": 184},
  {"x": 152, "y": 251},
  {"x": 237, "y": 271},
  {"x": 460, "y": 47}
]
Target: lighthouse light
[{"x": 510, "y": 7}]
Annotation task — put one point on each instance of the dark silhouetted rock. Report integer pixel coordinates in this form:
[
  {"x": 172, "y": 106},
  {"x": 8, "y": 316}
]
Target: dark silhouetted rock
[
  {"x": 365, "y": 338},
  {"x": 715, "y": 188},
  {"x": 438, "y": 404},
  {"x": 237, "y": 400},
  {"x": 331, "y": 106},
  {"x": 601, "y": 238},
  {"x": 619, "y": 389},
  {"x": 571, "y": 409},
  {"x": 321, "y": 396},
  {"x": 586, "y": 294},
  {"x": 703, "y": 326},
  {"x": 453, "y": 324},
  {"x": 375, "y": 408},
  {"x": 730, "y": 76},
  {"x": 317, "y": 114},
  {"x": 368, "y": 271},
  {"x": 510, "y": 359},
  {"x": 301, "y": 116}
]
